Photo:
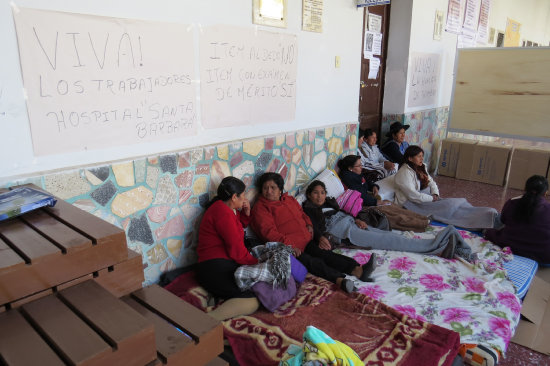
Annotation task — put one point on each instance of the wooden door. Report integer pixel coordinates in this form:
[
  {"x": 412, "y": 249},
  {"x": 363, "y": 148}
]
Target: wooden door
[{"x": 371, "y": 91}]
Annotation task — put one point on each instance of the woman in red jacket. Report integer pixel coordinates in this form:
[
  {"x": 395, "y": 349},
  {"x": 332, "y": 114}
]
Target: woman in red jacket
[
  {"x": 221, "y": 249},
  {"x": 276, "y": 216}
]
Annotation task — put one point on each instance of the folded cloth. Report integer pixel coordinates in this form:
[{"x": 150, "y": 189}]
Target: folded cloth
[
  {"x": 298, "y": 270},
  {"x": 319, "y": 348},
  {"x": 274, "y": 267}
]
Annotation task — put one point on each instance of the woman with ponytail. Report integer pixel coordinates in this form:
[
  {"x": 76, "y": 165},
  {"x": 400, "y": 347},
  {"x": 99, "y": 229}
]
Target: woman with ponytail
[
  {"x": 221, "y": 249},
  {"x": 415, "y": 190},
  {"x": 526, "y": 222}
]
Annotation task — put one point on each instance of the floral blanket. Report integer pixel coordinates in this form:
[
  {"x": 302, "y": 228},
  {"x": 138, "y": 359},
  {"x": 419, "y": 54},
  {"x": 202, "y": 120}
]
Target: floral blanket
[{"x": 477, "y": 301}]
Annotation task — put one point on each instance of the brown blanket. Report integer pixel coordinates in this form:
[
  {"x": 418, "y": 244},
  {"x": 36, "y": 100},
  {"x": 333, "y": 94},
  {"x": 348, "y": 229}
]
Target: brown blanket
[{"x": 379, "y": 334}]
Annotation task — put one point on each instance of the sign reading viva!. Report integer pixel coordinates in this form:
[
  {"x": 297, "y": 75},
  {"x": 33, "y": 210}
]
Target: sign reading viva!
[{"x": 91, "y": 81}]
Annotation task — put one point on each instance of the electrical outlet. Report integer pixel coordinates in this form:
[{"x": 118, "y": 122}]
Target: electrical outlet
[{"x": 337, "y": 62}]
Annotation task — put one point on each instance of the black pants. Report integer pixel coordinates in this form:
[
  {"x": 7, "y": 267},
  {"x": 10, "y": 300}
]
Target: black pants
[
  {"x": 217, "y": 276},
  {"x": 325, "y": 263}
]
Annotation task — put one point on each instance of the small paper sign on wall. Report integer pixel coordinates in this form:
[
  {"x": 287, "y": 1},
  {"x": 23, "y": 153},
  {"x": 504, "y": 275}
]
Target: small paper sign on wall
[
  {"x": 423, "y": 80},
  {"x": 94, "y": 82}
]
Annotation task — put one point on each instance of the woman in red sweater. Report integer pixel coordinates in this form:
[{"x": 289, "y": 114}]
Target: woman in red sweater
[
  {"x": 276, "y": 216},
  {"x": 221, "y": 249}
]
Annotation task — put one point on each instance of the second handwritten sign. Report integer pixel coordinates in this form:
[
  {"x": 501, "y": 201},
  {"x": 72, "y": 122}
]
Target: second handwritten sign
[{"x": 247, "y": 77}]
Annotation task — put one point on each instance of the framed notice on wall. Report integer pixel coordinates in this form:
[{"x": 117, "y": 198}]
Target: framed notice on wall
[{"x": 312, "y": 15}]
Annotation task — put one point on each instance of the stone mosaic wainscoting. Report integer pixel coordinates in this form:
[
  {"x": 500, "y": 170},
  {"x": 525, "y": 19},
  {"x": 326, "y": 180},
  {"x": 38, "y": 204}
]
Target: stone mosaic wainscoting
[
  {"x": 159, "y": 200},
  {"x": 427, "y": 129}
]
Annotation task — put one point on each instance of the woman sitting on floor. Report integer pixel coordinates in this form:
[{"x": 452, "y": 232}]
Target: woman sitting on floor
[
  {"x": 412, "y": 184},
  {"x": 328, "y": 220},
  {"x": 526, "y": 222},
  {"x": 350, "y": 169},
  {"x": 277, "y": 216},
  {"x": 373, "y": 161},
  {"x": 221, "y": 249}
]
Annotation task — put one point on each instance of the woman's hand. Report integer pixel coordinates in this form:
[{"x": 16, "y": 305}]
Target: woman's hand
[
  {"x": 310, "y": 229},
  {"x": 297, "y": 252},
  {"x": 246, "y": 207},
  {"x": 324, "y": 243},
  {"x": 375, "y": 191},
  {"x": 361, "y": 224},
  {"x": 388, "y": 165},
  {"x": 435, "y": 197}
]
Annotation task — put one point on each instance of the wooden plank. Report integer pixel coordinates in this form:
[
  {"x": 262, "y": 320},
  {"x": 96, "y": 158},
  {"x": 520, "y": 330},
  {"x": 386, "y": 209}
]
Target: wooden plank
[
  {"x": 217, "y": 362},
  {"x": 20, "y": 345},
  {"x": 130, "y": 333},
  {"x": 206, "y": 331},
  {"x": 27, "y": 299},
  {"x": 28, "y": 242},
  {"x": 182, "y": 314},
  {"x": 124, "y": 277},
  {"x": 100, "y": 231},
  {"x": 67, "y": 333},
  {"x": 56, "y": 231},
  {"x": 9, "y": 259},
  {"x": 172, "y": 345},
  {"x": 75, "y": 282}
]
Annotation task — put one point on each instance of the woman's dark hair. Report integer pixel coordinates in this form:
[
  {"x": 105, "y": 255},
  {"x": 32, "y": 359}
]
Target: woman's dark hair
[
  {"x": 227, "y": 188},
  {"x": 266, "y": 177},
  {"x": 368, "y": 132},
  {"x": 347, "y": 162},
  {"x": 535, "y": 187},
  {"x": 411, "y": 151},
  {"x": 313, "y": 185}
]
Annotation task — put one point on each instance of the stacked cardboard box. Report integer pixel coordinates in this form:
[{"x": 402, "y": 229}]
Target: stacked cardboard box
[
  {"x": 490, "y": 163},
  {"x": 526, "y": 162},
  {"x": 448, "y": 158},
  {"x": 470, "y": 160}
]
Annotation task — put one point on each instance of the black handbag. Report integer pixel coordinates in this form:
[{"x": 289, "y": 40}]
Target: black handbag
[{"x": 374, "y": 218}]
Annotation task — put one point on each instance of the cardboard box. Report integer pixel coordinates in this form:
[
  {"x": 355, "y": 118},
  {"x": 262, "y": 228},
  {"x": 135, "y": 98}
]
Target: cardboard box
[
  {"x": 448, "y": 157},
  {"x": 490, "y": 163},
  {"x": 526, "y": 162},
  {"x": 533, "y": 330},
  {"x": 465, "y": 158}
]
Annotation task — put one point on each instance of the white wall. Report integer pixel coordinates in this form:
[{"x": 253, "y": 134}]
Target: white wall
[
  {"x": 398, "y": 56},
  {"x": 533, "y": 15},
  {"x": 411, "y": 30},
  {"x": 325, "y": 95}
]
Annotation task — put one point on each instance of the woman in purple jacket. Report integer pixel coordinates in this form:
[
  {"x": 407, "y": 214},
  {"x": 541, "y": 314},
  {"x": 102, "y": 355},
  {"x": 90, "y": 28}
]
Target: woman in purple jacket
[{"x": 526, "y": 222}]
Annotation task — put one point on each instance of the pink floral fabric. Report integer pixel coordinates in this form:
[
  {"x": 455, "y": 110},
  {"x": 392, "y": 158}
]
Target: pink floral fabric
[{"x": 475, "y": 300}]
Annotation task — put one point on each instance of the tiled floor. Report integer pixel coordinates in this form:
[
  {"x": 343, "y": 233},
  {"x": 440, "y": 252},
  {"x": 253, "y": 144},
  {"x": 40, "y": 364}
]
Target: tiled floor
[{"x": 480, "y": 194}]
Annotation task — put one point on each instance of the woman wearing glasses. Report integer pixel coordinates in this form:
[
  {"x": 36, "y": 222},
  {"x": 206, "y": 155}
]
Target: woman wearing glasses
[{"x": 350, "y": 174}]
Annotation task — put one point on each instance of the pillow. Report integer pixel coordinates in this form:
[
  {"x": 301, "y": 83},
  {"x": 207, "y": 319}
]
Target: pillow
[
  {"x": 350, "y": 202},
  {"x": 334, "y": 185},
  {"x": 273, "y": 297},
  {"x": 386, "y": 189}
]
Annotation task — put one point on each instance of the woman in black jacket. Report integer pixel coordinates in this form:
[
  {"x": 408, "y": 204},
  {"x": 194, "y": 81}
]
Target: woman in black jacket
[{"x": 350, "y": 174}]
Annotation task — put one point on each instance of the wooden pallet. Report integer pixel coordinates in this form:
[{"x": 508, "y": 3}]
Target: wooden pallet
[
  {"x": 184, "y": 334},
  {"x": 120, "y": 279},
  {"x": 49, "y": 246},
  {"x": 81, "y": 325}
]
